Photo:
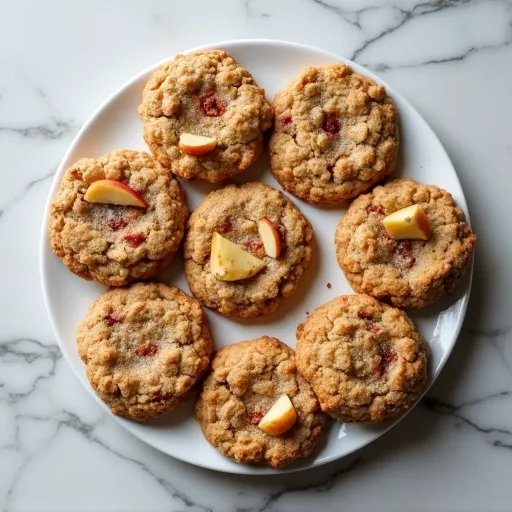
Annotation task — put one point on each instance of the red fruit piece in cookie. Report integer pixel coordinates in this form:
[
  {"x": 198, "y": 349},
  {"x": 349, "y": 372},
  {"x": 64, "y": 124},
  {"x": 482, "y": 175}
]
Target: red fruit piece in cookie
[
  {"x": 211, "y": 105},
  {"x": 117, "y": 224},
  {"x": 404, "y": 256},
  {"x": 112, "y": 319},
  {"x": 331, "y": 124},
  {"x": 377, "y": 208},
  {"x": 134, "y": 239},
  {"x": 159, "y": 396},
  {"x": 148, "y": 349}
]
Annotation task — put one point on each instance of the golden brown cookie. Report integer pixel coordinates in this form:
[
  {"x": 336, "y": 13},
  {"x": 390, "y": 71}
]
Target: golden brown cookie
[
  {"x": 406, "y": 273},
  {"x": 234, "y": 212},
  {"x": 245, "y": 381},
  {"x": 365, "y": 360},
  {"x": 144, "y": 347},
  {"x": 335, "y": 134},
  {"x": 205, "y": 93},
  {"x": 113, "y": 244}
]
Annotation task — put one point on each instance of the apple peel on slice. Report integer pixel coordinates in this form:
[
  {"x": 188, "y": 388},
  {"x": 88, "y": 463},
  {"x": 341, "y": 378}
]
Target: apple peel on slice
[
  {"x": 280, "y": 418},
  {"x": 408, "y": 223},
  {"x": 114, "y": 192},
  {"x": 270, "y": 237},
  {"x": 229, "y": 262},
  {"x": 196, "y": 145}
]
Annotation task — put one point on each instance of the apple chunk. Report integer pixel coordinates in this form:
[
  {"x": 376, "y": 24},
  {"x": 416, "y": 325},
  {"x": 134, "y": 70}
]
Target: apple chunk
[
  {"x": 114, "y": 192},
  {"x": 196, "y": 145},
  {"x": 229, "y": 262},
  {"x": 280, "y": 418},
  {"x": 270, "y": 237},
  {"x": 408, "y": 223}
]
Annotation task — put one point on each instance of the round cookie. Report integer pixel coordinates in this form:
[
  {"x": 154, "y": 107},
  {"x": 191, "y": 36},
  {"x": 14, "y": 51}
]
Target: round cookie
[
  {"x": 205, "y": 93},
  {"x": 245, "y": 381},
  {"x": 113, "y": 244},
  {"x": 234, "y": 212},
  {"x": 365, "y": 360},
  {"x": 406, "y": 273},
  {"x": 335, "y": 134},
  {"x": 144, "y": 347}
]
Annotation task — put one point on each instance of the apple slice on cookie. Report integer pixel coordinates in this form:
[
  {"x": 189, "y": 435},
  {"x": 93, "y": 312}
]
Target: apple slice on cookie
[
  {"x": 114, "y": 192},
  {"x": 408, "y": 223},
  {"x": 270, "y": 237},
  {"x": 196, "y": 145},
  {"x": 280, "y": 418},
  {"x": 229, "y": 262}
]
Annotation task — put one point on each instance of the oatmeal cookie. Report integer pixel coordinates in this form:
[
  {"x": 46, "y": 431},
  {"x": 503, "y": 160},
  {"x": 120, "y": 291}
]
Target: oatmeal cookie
[
  {"x": 113, "y": 244},
  {"x": 365, "y": 360},
  {"x": 144, "y": 347},
  {"x": 234, "y": 212},
  {"x": 406, "y": 273},
  {"x": 205, "y": 93},
  {"x": 245, "y": 381},
  {"x": 335, "y": 134}
]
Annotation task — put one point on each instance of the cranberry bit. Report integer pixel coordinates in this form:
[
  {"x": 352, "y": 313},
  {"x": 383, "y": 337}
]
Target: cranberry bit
[
  {"x": 160, "y": 397},
  {"x": 226, "y": 227},
  {"x": 112, "y": 320},
  {"x": 282, "y": 234},
  {"x": 404, "y": 255},
  {"x": 254, "y": 244},
  {"x": 376, "y": 209},
  {"x": 331, "y": 124},
  {"x": 255, "y": 417},
  {"x": 134, "y": 239},
  {"x": 116, "y": 224},
  {"x": 387, "y": 357},
  {"x": 255, "y": 247},
  {"x": 373, "y": 327},
  {"x": 148, "y": 349},
  {"x": 286, "y": 120},
  {"x": 329, "y": 285},
  {"x": 370, "y": 324},
  {"x": 211, "y": 105}
]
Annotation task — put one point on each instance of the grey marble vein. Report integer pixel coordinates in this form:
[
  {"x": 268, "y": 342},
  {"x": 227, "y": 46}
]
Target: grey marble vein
[
  {"x": 251, "y": 13},
  {"x": 87, "y": 430},
  {"x": 11, "y": 353},
  {"x": 350, "y": 17},
  {"x": 41, "y": 93},
  {"x": 72, "y": 421},
  {"x": 27, "y": 188},
  {"x": 52, "y": 130},
  {"x": 420, "y": 9},
  {"x": 496, "y": 336},
  {"x": 353, "y": 17},
  {"x": 454, "y": 58},
  {"x": 440, "y": 407},
  {"x": 324, "y": 486}
]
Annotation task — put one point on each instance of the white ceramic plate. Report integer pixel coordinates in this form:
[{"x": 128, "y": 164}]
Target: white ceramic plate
[{"x": 116, "y": 124}]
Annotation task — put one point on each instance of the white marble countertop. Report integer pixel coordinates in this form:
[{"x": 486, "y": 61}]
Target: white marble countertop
[{"x": 59, "y": 59}]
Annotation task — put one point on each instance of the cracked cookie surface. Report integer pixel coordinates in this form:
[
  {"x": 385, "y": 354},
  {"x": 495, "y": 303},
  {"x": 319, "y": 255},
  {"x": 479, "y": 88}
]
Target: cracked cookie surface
[
  {"x": 205, "y": 93},
  {"x": 365, "y": 360},
  {"x": 246, "y": 379},
  {"x": 144, "y": 347},
  {"x": 406, "y": 273},
  {"x": 234, "y": 212},
  {"x": 114, "y": 244},
  {"x": 335, "y": 134}
]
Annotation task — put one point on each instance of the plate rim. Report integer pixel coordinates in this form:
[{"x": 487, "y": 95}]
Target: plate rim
[{"x": 45, "y": 249}]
